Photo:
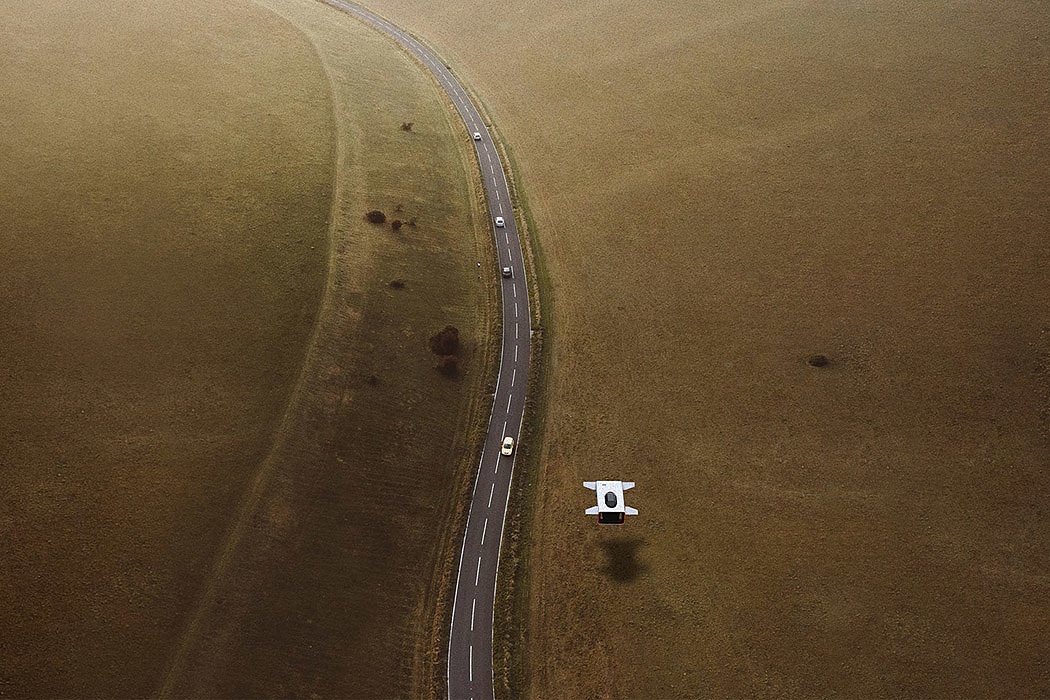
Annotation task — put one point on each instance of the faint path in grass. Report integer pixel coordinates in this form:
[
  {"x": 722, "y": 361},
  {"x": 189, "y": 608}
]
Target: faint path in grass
[{"x": 264, "y": 473}]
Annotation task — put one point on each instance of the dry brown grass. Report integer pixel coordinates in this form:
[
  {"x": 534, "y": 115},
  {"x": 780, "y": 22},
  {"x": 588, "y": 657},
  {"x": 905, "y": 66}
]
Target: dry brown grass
[
  {"x": 164, "y": 196},
  {"x": 722, "y": 191},
  {"x": 177, "y": 511}
]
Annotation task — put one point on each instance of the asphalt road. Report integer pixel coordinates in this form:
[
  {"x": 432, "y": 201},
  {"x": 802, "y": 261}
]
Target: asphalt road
[{"x": 470, "y": 639}]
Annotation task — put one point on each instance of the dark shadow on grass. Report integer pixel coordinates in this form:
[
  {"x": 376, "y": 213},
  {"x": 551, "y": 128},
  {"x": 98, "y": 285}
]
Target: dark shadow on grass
[{"x": 623, "y": 565}]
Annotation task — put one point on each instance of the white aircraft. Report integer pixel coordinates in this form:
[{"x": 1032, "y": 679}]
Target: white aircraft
[{"x": 610, "y": 508}]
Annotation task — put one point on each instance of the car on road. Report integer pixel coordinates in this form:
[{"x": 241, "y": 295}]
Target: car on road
[
  {"x": 499, "y": 222},
  {"x": 508, "y": 446},
  {"x": 507, "y": 272},
  {"x": 477, "y": 135}
]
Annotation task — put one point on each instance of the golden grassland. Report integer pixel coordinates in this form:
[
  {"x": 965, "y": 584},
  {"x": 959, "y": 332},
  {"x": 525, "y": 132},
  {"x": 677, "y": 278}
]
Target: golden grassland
[
  {"x": 721, "y": 191},
  {"x": 229, "y": 465},
  {"x": 165, "y": 197}
]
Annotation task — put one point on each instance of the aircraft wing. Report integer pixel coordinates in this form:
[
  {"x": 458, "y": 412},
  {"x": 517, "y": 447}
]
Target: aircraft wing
[
  {"x": 630, "y": 511},
  {"x": 590, "y": 484},
  {"x": 593, "y": 510}
]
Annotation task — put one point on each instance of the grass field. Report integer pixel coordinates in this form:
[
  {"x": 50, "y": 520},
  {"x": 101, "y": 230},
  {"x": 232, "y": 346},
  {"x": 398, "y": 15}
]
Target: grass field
[
  {"x": 229, "y": 465},
  {"x": 721, "y": 191},
  {"x": 165, "y": 197}
]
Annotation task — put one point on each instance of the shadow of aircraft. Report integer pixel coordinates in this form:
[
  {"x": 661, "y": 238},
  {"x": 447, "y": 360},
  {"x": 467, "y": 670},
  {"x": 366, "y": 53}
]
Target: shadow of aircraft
[{"x": 622, "y": 553}]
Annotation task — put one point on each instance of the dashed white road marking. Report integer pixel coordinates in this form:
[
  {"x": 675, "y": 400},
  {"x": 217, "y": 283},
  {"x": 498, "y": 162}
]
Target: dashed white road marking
[
  {"x": 509, "y": 399},
  {"x": 471, "y": 663},
  {"x": 500, "y": 207},
  {"x": 506, "y": 237},
  {"x": 514, "y": 289},
  {"x": 513, "y": 375},
  {"x": 515, "y": 331},
  {"x": 485, "y": 529},
  {"x": 478, "y": 575},
  {"x": 491, "y": 490},
  {"x": 515, "y": 309},
  {"x": 515, "y": 353},
  {"x": 472, "y": 604}
]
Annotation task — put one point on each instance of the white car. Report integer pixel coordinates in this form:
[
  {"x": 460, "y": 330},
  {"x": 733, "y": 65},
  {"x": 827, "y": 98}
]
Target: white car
[
  {"x": 499, "y": 222},
  {"x": 507, "y": 272},
  {"x": 477, "y": 135},
  {"x": 508, "y": 446}
]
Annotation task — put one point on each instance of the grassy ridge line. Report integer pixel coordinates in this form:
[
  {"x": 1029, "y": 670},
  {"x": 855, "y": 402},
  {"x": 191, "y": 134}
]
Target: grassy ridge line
[
  {"x": 266, "y": 468},
  {"x": 510, "y": 656},
  {"x": 510, "y": 651},
  {"x": 430, "y": 660}
]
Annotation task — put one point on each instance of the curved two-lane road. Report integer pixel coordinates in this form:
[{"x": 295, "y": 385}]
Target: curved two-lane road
[{"x": 470, "y": 639}]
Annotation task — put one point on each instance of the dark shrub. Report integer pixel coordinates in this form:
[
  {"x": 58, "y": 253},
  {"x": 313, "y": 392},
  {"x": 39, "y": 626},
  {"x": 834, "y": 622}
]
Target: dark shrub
[
  {"x": 818, "y": 361},
  {"x": 396, "y": 224},
  {"x": 445, "y": 342},
  {"x": 397, "y": 284},
  {"x": 375, "y": 217},
  {"x": 448, "y": 365},
  {"x": 406, "y": 126}
]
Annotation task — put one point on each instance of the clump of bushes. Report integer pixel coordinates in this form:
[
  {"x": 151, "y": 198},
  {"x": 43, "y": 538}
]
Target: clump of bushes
[
  {"x": 375, "y": 217},
  {"x": 448, "y": 365},
  {"x": 445, "y": 341},
  {"x": 396, "y": 224},
  {"x": 406, "y": 126},
  {"x": 397, "y": 284},
  {"x": 818, "y": 361}
]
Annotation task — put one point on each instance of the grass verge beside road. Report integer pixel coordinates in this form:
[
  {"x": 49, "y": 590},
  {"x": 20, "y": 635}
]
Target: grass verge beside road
[{"x": 337, "y": 585}]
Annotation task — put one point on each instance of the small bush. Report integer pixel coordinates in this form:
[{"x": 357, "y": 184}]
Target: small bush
[
  {"x": 818, "y": 361},
  {"x": 375, "y": 217},
  {"x": 445, "y": 342},
  {"x": 373, "y": 379},
  {"x": 406, "y": 126},
  {"x": 397, "y": 284},
  {"x": 396, "y": 224},
  {"x": 448, "y": 365}
]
